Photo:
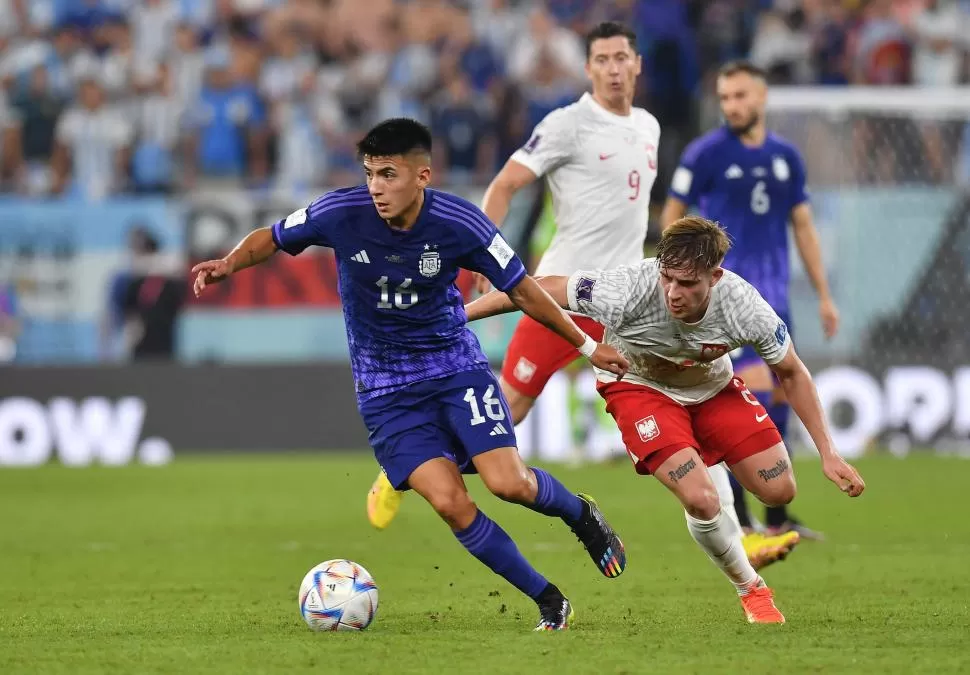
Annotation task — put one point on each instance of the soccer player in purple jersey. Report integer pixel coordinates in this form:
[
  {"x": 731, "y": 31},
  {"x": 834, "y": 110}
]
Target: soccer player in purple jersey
[
  {"x": 432, "y": 406},
  {"x": 752, "y": 182}
]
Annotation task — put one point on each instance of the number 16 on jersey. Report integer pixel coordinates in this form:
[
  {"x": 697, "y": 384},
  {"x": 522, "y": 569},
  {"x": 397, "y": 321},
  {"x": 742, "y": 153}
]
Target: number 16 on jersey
[{"x": 404, "y": 295}]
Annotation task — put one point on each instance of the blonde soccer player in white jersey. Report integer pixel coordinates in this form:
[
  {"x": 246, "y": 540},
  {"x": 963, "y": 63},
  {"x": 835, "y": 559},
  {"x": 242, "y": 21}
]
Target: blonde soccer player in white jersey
[{"x": 675, "y": 318}]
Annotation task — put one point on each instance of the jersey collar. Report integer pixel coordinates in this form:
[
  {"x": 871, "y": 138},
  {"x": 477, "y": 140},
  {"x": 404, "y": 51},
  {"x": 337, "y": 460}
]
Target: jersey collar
[{"x": 590, "y": 102}]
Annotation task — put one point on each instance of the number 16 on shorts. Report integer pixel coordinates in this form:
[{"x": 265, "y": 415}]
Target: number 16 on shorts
[
  {"x": 494, "y": 407},
  {"x": 479, "y": 414}
]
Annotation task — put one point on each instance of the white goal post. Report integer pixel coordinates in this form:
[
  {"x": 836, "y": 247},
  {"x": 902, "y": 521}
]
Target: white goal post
[{"x": 952, "y": 103}]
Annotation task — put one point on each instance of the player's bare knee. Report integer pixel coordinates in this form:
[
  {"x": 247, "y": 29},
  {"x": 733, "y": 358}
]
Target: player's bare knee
[
  {"x": 454, "y": 506},
  {"x": 778, "y": 491},
  {"x": 518, "y": 487},
  {"x": 785, "y": 491},
  {"x": 702, "y": 502}
]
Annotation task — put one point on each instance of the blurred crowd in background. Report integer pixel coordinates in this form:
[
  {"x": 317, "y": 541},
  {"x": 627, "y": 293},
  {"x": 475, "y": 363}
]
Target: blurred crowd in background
[{"x": 102, "y": 97}]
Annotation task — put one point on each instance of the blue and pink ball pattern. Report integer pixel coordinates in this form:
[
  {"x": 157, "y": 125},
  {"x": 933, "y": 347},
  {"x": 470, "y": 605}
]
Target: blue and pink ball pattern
[{"x": 338, "y": 595}]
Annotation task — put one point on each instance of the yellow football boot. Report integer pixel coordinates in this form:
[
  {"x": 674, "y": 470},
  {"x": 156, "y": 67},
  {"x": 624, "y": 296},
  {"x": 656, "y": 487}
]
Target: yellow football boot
[{"x": 383, "y": 502}]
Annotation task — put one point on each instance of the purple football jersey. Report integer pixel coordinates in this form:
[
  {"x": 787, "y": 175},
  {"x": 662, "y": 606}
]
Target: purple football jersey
[{"x": 404, "y": 315}]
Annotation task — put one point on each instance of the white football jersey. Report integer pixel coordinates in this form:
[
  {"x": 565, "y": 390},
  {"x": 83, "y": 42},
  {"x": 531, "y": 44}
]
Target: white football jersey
[
  {"x": 688, "y": 362},
  {"x": 600, "y": 168}
]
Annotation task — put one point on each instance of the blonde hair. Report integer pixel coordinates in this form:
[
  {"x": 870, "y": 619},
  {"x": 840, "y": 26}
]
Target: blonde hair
[{"x": 693, "y": 243}]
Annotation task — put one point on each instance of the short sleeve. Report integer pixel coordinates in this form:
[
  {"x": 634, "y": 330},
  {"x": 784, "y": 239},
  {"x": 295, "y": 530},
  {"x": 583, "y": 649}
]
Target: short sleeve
[
  {"x": 480, "y": 246},
  {"x": 692, "y": 174},
  {"x": 604, "y": 295},
  {"x": 310, "y": 226},
  {"x": 496, "y": 260},
  {"x": 799, "y": 194},
  {"x": 551, "y": 145},
  {"x": 764, "y": 330}
]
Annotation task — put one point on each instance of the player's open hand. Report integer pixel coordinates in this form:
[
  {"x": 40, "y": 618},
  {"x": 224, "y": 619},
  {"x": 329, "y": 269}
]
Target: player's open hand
[
  {"x": 607, "y": 358},
  {"x": 844, "y": 475},
  {"x": 482, "y": 284},
  {"x": 210, "y": 272},
  {"x": 829, "y": 313}
]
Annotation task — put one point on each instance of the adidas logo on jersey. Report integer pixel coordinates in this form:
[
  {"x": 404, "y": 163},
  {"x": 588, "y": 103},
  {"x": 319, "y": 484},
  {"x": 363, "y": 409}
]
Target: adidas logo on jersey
[
  {"x": 498, "y": 430},
  {"x": 361, "y": 257},
  {"x": 734, "y": 171}
]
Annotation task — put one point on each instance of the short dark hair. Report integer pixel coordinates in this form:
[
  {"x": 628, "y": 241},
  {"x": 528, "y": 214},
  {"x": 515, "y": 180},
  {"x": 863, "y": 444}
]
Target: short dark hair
[
  {"x": 693, "y": 243},
  {"x": 741, "y": 66},
  {"x": 397, "y": 136},
  {"x": 608, "y": 29}
]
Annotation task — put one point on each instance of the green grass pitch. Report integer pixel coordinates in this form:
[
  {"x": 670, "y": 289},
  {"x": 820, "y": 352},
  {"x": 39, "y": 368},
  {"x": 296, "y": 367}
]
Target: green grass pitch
[{"x": 194, "y": 568}]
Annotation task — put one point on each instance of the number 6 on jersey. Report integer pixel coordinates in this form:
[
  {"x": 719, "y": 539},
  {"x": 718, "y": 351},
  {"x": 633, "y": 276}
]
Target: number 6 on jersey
[{"x": 760, "y": 201}]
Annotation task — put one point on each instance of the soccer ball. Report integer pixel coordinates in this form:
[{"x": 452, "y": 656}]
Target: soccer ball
[{"x": 338, "y": 595}]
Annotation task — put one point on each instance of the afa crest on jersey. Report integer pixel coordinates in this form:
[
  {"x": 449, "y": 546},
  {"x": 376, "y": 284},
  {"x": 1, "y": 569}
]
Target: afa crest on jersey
[
  {"x": 780, "y": 168},
  {"x": 430, "y": 263}
]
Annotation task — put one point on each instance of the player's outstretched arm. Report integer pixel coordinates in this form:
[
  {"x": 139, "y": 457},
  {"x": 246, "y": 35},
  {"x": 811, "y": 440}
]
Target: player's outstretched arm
[
  {"x": 256, "y": 247},
  {"x": 534, "y": 300},
  {"x": 797, "y": 383},
  {"x": 496, "y": 302}
]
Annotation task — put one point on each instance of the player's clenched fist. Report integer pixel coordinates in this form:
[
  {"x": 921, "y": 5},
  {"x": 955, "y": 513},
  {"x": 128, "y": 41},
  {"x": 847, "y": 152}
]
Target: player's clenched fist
[
  {"x": 210, "y": 272},
  {"x": 844, "y": 475},
  {"x": 607, "y": 358}
]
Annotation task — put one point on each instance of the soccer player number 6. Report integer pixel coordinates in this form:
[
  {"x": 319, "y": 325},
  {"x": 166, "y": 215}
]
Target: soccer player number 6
[{"x": 760, "y": 201}]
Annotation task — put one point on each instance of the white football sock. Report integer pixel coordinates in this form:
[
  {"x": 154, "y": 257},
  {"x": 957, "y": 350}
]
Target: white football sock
[
  {"x": 722, "y": 483},
  {"x": 721, "y": 540}
]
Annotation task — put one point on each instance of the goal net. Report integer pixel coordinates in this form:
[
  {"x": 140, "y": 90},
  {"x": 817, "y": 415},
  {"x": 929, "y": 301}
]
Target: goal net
[{"x": 888, "y": 170}]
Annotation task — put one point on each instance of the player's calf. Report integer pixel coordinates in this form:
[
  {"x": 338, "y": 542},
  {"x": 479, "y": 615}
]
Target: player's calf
[
  {"x": 715, "y": 532},
  {"x": 507, "y": 477},
  {"x": 440, "y": 483}
]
